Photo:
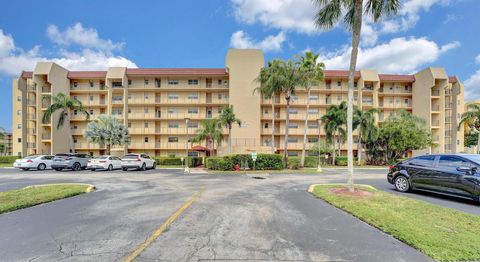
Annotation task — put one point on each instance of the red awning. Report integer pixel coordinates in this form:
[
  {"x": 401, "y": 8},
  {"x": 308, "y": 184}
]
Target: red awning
[{"x": 199, "y": 148}]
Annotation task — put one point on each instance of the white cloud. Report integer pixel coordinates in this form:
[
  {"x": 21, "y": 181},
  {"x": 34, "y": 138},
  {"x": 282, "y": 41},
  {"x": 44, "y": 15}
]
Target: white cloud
[
  {"x": 14, "y": 59},
  {"x": 472, "y": 84},
  {"x": 477, "y": 59},
  {"x": 240, "y": 39},
  {"x": 84, "y": 37},
  {"x": 399, "y": 55},
  {"x": 295, "y": 15}
]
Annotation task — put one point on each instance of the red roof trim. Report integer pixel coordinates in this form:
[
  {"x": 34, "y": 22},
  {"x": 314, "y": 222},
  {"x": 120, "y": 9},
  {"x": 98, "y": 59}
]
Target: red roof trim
[
  {"x": 27, "y": 74},
  {"x": 176, "y": 71},
  {"x": 399, "y": 78},
  {"x": 86, "y": 74},
  {"x": 452, "y": 79},
  {"x": 338, "y": 74}
]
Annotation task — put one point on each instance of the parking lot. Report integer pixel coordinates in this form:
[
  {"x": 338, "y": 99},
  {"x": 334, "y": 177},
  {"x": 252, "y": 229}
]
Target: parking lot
[{"x": 235, "y": 218}]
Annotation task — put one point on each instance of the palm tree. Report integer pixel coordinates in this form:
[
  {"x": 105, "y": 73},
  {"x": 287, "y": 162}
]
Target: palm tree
[
  {"x": 211, "y": 133},
  {"x": 365, "y": 123},
  {"x": 328, "y": 15},
  {"x": 270, "y": 86},
  {"x": 313, "y": 74},
  {"x": 472, "y": 119},
  {"x": 107, "y": 130},
  {"x": 63, "y": 103},
  {"x": 333, "y": 121},
  {"x": 3, "y": 146},
  {"x": 228, "y": 119}
]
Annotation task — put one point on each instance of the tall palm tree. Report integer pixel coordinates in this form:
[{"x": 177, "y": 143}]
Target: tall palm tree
[
  {"x": 472, "y": 119},
  {"x": 63, "y": 103},
  {"x": 211, "y": 132},
  {"x": 270, "y": 86},
  {"x": 313, "y": 74},
  {"x": 365, "y": 123},
  {"x": 328, "y": 15},
  {"x": 334, "y": 120},
  {"x": 109, "y": 131},
  {"x": 228, "y": 119}
]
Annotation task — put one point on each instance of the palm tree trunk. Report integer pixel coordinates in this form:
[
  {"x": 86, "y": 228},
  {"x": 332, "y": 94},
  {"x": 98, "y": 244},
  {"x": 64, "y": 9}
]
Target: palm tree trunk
[
  {"x": 357, "y": 28},
  {"x": 69, "y": 132},
  {"x": 478, "y": 143},
  {"x": 229, "y": 139},
  {"x": 333, "y": 152},
  {"x": 302, "y": 160},
  {"x": 359, "y": 150},
  {"x": 107, "y": 149},
  {"x": 212, "y": 148},
  {"x": 287, "y": 122},
  {"x": 339, "y": 143},
  {"x": 273, "y": 125}
]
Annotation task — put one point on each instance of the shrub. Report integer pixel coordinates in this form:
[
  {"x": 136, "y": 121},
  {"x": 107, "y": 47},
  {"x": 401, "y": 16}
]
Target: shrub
[
  {"x": 343, "y": 160},
  {"x": 177, "y": 161},
  {"x": 311, "y": 161},
  {"x": 213, "y": 163},
  {"x": 269, "y": 162},
  {"x": 8, "y": 159},
  {"x": 263, "y": 162},
  {"x": 194, "y": 161},
  {"x": 294, "y": 162}
]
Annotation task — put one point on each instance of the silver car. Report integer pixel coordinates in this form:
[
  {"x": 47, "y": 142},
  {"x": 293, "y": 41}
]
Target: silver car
[
  {"x": 71, "y": 161},
  {"x": 38, "y": 162}
]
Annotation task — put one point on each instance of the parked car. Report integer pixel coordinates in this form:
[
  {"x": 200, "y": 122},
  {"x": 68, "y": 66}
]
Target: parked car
[
  {"x": 72, "y": 161},
  {"x": 38, "y": 162},
  {"x": 450, "y": 174},
  {"x": 137, "y": 161},
  {"x": 104, "y": 162}
]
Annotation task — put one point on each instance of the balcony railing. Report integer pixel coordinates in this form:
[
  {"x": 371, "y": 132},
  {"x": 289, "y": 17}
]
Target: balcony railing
[
  {"x": 435, "y": 108},
  {"x": 31, "y": 145},
  {"x": 31, "y": 131},
  {"x": 32, "y": 88},
  {"x": 46, "y": 89},
  {"x": 46, "y": 136},
  {"x": 31, "y": 116},
  {"x": 31, "y": 102},
  {"x": 436, "y": 123},
  {"x": 435, "y": 92}
]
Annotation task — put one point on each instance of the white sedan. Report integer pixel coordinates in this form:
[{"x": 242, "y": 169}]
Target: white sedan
[
  {"x": 104, "y": 162},
  {"x": 38, "y": 162},
  {"x": 138, "y": 161}
]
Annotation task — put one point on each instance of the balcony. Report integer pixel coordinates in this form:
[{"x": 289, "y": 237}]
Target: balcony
[
  {"x": 31, "y": 145},
  {"x": 85, "y": 145},
  {"x": 46, "y": 136},
  {"x": 31, "y": 102},
  {"x": 436, "y": 123},
  {"x": 86, "y": 87},
  {"x": 141, "y": 131},
  {"x": 46, "y": 89},
  {"x": 145, "y": 145},
  {"x": 32, "y": 116},
  {"x": 435, "y": 92},
  {"x": 436, "y": 108},
  {"x": 117, "y": 101},
  {"x": 32, "y": 88},
  {"x": 142, "y": 115},
  {"x": 31, "y": 131}
]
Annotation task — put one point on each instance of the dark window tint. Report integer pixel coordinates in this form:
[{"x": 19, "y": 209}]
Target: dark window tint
[
  {"x": 426, "y": 161},
  {"x": 452, "y": 162},
  {"x": 62, "y": 155},
  {"x": 131, "y": 157}
]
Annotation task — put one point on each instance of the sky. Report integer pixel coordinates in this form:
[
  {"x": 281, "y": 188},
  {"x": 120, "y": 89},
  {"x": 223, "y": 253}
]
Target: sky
[{"x": 91, "y": 35}]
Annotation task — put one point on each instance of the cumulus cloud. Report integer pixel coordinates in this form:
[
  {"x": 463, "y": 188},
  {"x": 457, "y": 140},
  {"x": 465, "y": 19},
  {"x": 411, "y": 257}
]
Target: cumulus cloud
[
  {"x": 240, "y": 39},
  {"x": 477, "y": 59},
  {"x": 399, "y": 55},
  {"x": 472, "y": 84},
  {"x": 14, "y": 59}
]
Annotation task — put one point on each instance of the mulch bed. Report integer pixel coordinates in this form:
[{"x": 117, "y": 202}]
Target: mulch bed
[{"x": 345, "y": 192}]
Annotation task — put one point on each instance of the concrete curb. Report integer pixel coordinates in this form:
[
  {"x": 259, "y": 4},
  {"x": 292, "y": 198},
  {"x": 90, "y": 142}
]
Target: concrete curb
[
  {"x": 89, "y": 189},
  {"x": 311, "y": 188}
]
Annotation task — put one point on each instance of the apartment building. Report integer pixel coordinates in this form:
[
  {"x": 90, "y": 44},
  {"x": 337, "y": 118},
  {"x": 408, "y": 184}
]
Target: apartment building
[
  {"x": 7, "y": 142},
  {"x": 164, "y": 107}
]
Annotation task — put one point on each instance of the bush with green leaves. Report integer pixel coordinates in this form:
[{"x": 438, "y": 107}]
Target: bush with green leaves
[
  {"x": 8, "y": 159},
  {"x": 294, "y": 162},
  {"x": 263, "y": 162},
  {"x": 177, "y": 161}
]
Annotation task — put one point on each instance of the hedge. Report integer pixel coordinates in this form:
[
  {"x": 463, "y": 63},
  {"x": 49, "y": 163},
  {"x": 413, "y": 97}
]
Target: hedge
[
  {"x": 177, "y": 161},
  {"x": 263, "y": 162},
  {"x": 8, "y": 159}
]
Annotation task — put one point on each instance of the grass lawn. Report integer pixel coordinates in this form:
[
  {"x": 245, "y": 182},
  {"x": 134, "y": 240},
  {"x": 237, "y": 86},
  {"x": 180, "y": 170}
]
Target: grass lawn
[
  {"x": 283, "y": 171},
  {"x": 6, "y": 165},
  {"x": 442, "y": 233},
  {"x": 30, "y": 196}
]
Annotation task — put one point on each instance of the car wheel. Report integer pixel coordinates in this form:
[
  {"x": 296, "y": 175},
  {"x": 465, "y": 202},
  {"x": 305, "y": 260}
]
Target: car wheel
[
  {"x": 58, "y": 169},
  {"x": 25, "y": 169},
  {"x": 402, "y": 184},
  {"x": 144, "y": 167},
  {"x": 41, "y": 166},
  {"x": 76, "y": 166},
  {"x": 110, "y": 168},
  {"x": 154, "y": 165},
  {"x": 124, "y": 168},
  {"x": 93, "y": 169}
]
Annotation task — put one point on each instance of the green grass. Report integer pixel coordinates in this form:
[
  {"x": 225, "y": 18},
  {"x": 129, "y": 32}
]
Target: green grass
[
  {"x": 6, "y": 165},
  {"x": 442, "y": 233},
  {"x": 30, "y": 196},
  {"x": 169, "y": 166}
]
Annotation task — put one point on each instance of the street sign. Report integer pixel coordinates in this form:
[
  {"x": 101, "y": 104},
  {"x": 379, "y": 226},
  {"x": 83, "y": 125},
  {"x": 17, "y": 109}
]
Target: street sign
[{"x": 254, "y": 156}]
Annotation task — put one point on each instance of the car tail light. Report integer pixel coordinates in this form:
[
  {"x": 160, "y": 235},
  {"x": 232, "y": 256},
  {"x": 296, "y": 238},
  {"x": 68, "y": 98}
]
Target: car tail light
[
  {"x": 138, "y": 159},
  {"x": 391, "y": 167},
  {"x": 89, "y": 161},
  {"x": 102, "y": 161},
  {"x": 29, "y": 161}
]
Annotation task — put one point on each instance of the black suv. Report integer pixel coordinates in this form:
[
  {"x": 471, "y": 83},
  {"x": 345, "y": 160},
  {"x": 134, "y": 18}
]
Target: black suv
[{"x": 451, "y": 174}]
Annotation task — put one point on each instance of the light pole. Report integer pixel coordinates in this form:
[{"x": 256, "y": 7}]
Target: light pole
[
  {"x": 187, "y": 170},
  {"x": 319, "y": 167}
]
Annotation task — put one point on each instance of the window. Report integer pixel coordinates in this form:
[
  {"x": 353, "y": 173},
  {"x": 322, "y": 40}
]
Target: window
[
  {"x": 146, "y": 82},
  {"x": 91, "y": 98},
  {"x": 219, "y": 82},
  {"x": 219, "y": 96},
  {"x": 313, "y": 125},
  {"x": 145, "y": 96},
  {"x": 293, "y": 111},
  {"x": 129, "y": 82},
  {"x": 339, "y": 98},
  {"x": 129, "y": 96},
  {"x": 129, "y": 110},
  {"x": 91, "y": 84},
  {"x": 355, "y": 84},
  {"x": 265, "y": 125},
  {"x": 406, "y": 88},
  {"x": 117, "y": 98},
  {"x": 193, "y": 110},
  {"x": 75, "y": 140},
  {"x": 294, "y": 98},
  {"x": 292, "y": 140},
  {"x": 313, "y": 140},
  {"x": 145, "y": 110},
  {"x": 75, "y": 112},
  {"x": 172, "y": 82},
  {"x": 313, "y": 111},
  {"x": 339, "y": 84},
  {"x": 172, "y": 110},
  {"x": 19, "y": 140},
  {"x": 292, "y": 125},
  {"x": 290, "y": 153},
  {"x": 193, "y": 82},
  {"x": 193, "y": 96},
  {"x": 19, "y": 112},
  {"x": 313, "y": 98},
  {"x": 426, "y": 161},
  {"x": 75, "y": 97},
  {"x": 173, "y": 139},
  {"x": 158, "y": 82},
  {"x": 145, "y": 139},
  {"x": 129, "y": 124},
  {"x": 75, "y": 84},
  {"x": 192, "y": 124},
  {"x": 75, "y": 126},
  {"x": 452, "y": 162},
  {"x": 406, "y": 100},
  {"x": 173, "y": 125},
  {"x": 172, "y": 96},
  {"x": 19, "y": 126},
  {"x": 19, "y": 98},
  {"x": 145, "y": 124},
  {"x": 265, "y": 111},
  {"x": 116, "y": 111},
  {"x": 91, "y": 112}
]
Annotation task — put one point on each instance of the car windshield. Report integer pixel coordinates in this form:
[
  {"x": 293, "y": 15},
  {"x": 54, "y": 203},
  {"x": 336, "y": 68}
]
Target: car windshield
[
  {"x": 473, "y": 157},
  {"x": 130, "y": 157},
  {"x": 31, "y": 157},
  {"x": 62, "y": 155},
  {"x": 101, "y": 157}
]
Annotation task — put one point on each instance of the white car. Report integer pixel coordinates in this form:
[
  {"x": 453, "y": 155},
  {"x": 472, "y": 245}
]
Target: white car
[
  {"x": 138, "y": 161},
  {"x": 38, "y": 162},
  {"x": 104, "y": 162}
]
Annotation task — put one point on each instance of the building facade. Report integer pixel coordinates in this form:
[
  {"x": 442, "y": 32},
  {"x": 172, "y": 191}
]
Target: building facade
[
  {"x": 8, "y": 144},
  {"x": 156, "y": 103}
]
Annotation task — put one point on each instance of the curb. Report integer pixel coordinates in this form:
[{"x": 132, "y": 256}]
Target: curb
[
  {"x": 89, "y": 189},
  {"x": 311, "y": 188}
]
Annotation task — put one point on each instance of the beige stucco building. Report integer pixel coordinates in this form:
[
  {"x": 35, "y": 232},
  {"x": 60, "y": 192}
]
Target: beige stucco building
[{"x": 154, "y": 103}]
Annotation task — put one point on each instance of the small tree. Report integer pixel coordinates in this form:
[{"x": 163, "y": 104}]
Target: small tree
[
  {"x": 210, "y": 133},
  {"x": 472, "y": 119},
  {"x": 3, "y": 147},
  {"x": 108, "y": 131},
  {"x": 63, "y": 103},
  {"x": 228, "y": 119},
  {"x": 365, "y": 123},
  {"x": 334, "y": 120}
]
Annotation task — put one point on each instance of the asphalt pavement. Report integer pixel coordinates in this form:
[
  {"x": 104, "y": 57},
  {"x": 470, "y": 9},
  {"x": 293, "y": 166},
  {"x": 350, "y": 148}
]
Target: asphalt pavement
[{"x": 237, "y": 218}]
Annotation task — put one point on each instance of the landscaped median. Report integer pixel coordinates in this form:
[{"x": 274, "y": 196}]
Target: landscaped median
[
  {"x": 34, "y": 195},
  {"x": 441, "y": 233}
]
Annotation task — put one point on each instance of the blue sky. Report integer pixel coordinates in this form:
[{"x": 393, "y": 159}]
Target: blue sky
[{"x": 96, "y": 34}]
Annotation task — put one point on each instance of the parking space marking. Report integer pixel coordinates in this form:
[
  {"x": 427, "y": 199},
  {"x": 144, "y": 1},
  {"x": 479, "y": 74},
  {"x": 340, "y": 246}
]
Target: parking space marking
[{"x": 162, "y": 228}]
